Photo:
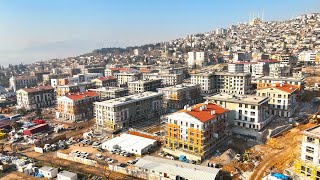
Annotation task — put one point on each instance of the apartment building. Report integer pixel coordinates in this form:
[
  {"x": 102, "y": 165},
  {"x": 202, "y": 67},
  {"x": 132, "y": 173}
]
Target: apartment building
[
  {"x": 39, "y": 74},
  {"x": 109, "y": 81},
  {"x": 106, "y": 93},
  {"x": 307, "y": 57},
  {"x": 238, "y": 83},
  {"x": 167, "y": 79},
  {"x": 76, "y": 107},
  {"x": 35, "y": 98},
  {"x": 195, "y": 130},
  {"x": 18, "y": 82},
  {"x": 47, "y": 77},
  {"x": 279, "y": 70},
  {"x": 247, "y": 112},
  {"x": 283, "y": 99},
  {"x": 307, "y": 166},
  {"x": 74, "y": 88},
  {"x": 111, "y": 71},
  {"x": 125, "y": 77},
  {"x": 140, "y": 86},
  {"x": 268, "y": 81},
  {"x": 176, "y": 97},
  {"x": 197, "y": 59},
  {"x": 128, "y": 111}
]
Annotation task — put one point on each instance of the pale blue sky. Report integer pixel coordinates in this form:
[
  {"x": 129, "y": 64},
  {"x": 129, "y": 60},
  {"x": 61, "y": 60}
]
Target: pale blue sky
[{"x": 33, "y": 30}]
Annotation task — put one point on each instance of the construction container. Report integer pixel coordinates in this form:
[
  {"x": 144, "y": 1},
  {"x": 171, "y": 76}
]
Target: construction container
[{"x": 36, "y": 129}]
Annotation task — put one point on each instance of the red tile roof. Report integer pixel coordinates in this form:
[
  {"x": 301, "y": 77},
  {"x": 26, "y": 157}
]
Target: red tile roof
[
  {"x": 270, "y": 61},
  {"x": 82, "y": 95},
  {"x": 120, "y": 69},
  {"x": 289, "y": 88},
  {"x": 205, "y": 114},
  {"x": 144, "y": 70},
  {"x": 37, "y": 89}
]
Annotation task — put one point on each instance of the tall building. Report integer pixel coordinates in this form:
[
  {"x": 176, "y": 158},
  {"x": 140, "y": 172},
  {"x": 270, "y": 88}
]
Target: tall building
[
  {"x": 167, "y": 79},
  {"x": 307, "y": 57},
  {"x": 283, "y": 99},
  {"x": 35, "y": 98},
  {"x": 248, "y": 114},
  {"x": 128, "y": 111},
  {"x": 176, "y": 97},
  {"x": 308, "y": 165},
  {"x": 140, "y": 86},
  {"x": 74, "y": 88},
  {"x": 124, "y": 78},
  {"x": 279, "y": 70},
  {"x": 75, "y": 107},
  {"x": 238, "y": 83},
  {"x": 18, "y": 82},
  {"x": 195, "y": 130}
]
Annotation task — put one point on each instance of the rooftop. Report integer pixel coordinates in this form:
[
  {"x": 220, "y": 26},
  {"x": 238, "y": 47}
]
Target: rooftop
[
  {"x": 142, "y": 81},
  {"x": 294, "y": 79},
  {"x": 188, "y": 171},
  {"x": 178, "y": 87},
  {"x": 108, "y": 89},
  {"x": 67, "y": 174},
  {"x": 81, "y": 95},
  {"x": 25, "y": 77},
  {"x": 204, "y": 111},
  {"x": 244, "y": 99},
  {"x": 289, "y": 88},
  {"x": 129, "y": 99},
  {"x": 314, "y": 132},
  {"x": 106, "y": 78}
]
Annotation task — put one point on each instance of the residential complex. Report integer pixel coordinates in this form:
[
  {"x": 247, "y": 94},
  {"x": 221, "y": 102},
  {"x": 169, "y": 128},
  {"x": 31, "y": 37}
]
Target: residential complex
[
  {"x": 140, "y": 86},
  {"x": 176, "y": 97},
  {"x": 76, "y": 107},
  {"x": 195, "y": 130},
  {"x": 128, "y": 111},
  {"x": 283, "y": 99},
  {"x": 125, "y": 77},
  {"x": 47, "y": 77},
  {"x": 268, "y": 81},
  {"x": 247, "y": 112},
  {"x": 106, "y": 93},
  {"x": 167, "y": 79},
  {"x": 36, "y": 97},
  {"x": 197, "y": 59}
]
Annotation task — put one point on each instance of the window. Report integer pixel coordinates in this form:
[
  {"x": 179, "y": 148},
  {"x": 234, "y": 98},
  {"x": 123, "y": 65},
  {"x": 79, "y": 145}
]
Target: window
[
  {"x": 310, "y": 139},
  {"x": 246, "y": 106},
  {"x": 253, "y": 107},
  {"x": 279, "y": 95},
  {"x": 240, "y": 105},
  {"x": 192, "y": 125},
  {"x": 309, "y": 158},
  {"x": 310, "y": 149},
  {"x": 253, "y": 113}
]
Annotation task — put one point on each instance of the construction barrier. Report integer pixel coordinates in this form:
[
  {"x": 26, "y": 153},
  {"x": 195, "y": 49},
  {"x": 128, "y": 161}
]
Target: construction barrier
[{"x": 77, "y": 159}]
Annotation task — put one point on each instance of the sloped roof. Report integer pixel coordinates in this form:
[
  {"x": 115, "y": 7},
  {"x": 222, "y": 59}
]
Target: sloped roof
[{"x": 82, "y": 95}]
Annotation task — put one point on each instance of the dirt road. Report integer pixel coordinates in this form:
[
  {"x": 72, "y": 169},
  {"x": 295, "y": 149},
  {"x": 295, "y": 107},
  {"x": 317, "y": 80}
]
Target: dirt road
[{"x": 290, "y": 145}]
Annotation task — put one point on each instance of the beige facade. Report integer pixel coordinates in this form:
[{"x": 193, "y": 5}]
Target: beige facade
[
  {"x": 106, "y": 93},
  {"x": 36, "y": 98},
  {"x": 167, "y": 79},
  {"x": 140, "y": 86}
]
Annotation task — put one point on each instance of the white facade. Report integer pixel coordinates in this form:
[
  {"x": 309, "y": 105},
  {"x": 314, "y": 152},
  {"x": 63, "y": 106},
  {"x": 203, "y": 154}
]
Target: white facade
[
  {"x": 307, "y": 57},
  {"x": 279, "y": 70},
  {"x": 310, "y": 146},
  {"x": 49, "y": 172},
  {"x": 66, "y": 175},
  {"x": 197, "y": 59}
]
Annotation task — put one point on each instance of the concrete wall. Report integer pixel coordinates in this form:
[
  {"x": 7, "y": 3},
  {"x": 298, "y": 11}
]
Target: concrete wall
[{"x": 77, "y": 159}]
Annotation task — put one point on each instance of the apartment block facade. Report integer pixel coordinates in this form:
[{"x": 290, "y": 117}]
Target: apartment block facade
[
  {"x": 74, "y": 88},
  {"x": 307, "y": 166},
  {"x": 140, "y": 86},
  {"x": 238, "y": 83},
  {"x": 268, "y": 81},
  {"x": 18, "y": 82},
  {"x": 283, "y": 99},
  {"x": 195, "y": 130},
  {"x": 176, "y": 97},
  {"x": 109, "y": 81},
  {"x": 125, "y": 77},
  {"x": 36, "y": 98},
  {"x": 167, "y": 79},
  {"x": 75, "y": 107},
  {"x": 128, "y": 111}
]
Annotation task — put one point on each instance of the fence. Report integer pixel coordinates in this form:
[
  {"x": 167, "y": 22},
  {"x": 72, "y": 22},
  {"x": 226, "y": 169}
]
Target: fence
[{"x": 77, "y": 159}]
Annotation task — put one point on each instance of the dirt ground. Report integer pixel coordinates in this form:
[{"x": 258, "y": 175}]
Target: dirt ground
[{"x": 16, "y": 175}]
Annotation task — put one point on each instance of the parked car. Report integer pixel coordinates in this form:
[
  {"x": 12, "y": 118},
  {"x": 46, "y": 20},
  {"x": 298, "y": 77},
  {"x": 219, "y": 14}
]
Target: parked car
[
  {"x": 122, "y": 165},
  {"x": 101, "y": 150},
  {"x": 96, "y": 144},
  {"x": 109, "y": 160}
]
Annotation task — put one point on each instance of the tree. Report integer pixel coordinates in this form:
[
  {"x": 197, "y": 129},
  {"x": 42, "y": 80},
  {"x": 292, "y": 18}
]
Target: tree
[
  {"x": 22, "y": 111},
  {"x": 39, "y": 113}
]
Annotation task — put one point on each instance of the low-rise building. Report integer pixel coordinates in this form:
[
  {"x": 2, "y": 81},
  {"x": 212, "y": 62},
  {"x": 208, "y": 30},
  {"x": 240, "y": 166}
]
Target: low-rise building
[
  {"x": 158, "y": 168},
  {"x": 66, "y": 175},
  {"x": 74, "y": 88},
  {"x": 109, "y": 81},
  {"x": 48, "y": 172},
  {"x": 167, "y": 79},
  {"x": 106, "y": 93},
  {"x": 36, "y": 98},
  {"x": 248, "y": 113},
  {"x": 176, "y": 97},
  {"x": 128, "y": 111},
  {"x": 75, "y": 107},
  {"x": 140, "y": 86},
  {"x": 195, "y": 130},
  {"x": 47, "y": 77},
  {"x": 308, "y": 165},
  {"x": 283, "y": 99},
  {"x": 18, "y": 82}
]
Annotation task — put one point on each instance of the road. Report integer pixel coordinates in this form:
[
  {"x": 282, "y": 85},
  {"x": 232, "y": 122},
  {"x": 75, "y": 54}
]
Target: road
[{"x": 290, "y": 143}]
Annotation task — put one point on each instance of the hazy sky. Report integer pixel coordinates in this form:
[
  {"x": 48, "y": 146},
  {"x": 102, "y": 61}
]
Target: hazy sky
[{"x": 33, "y": 30}]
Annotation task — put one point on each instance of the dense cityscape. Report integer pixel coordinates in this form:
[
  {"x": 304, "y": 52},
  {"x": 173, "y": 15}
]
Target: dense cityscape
[{"x": 240, "y": 102}]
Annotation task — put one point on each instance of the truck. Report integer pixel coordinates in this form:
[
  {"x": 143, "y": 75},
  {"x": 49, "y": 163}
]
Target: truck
[{"x": 183, "y": 158}]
